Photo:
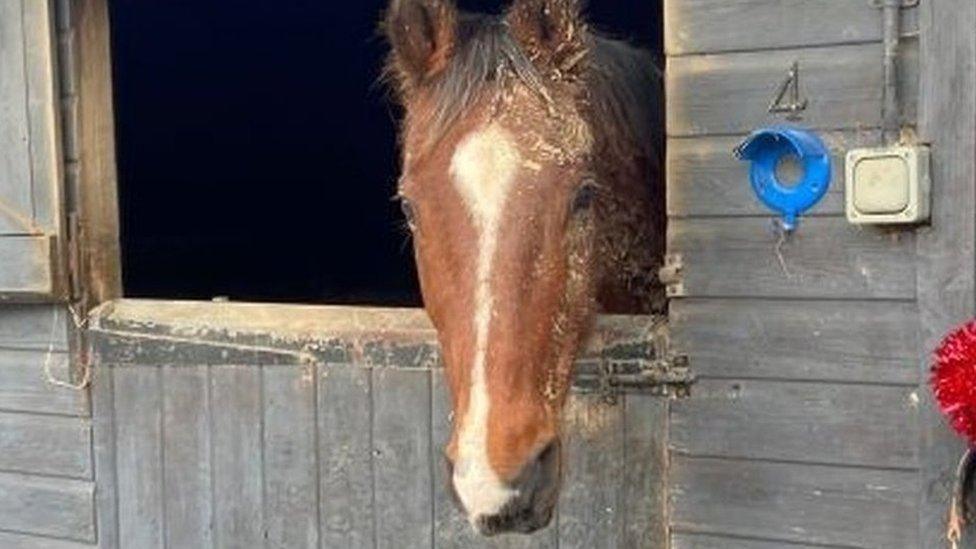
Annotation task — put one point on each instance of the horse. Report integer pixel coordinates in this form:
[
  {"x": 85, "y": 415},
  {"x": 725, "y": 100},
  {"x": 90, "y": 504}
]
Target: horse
[{"x": 531, "y": 185}]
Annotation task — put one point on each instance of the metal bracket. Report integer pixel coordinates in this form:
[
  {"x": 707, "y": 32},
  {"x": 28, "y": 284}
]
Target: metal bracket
[
  {"x": 789, "y": 86},
  {"x": 671, "y": 275},
  {"x": 878, "y": 4}
]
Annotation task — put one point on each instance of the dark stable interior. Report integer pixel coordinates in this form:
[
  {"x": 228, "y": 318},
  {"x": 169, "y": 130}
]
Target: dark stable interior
[{"x": 257, "y": 149}]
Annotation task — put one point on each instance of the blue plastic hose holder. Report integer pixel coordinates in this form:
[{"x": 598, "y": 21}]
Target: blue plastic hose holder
[{"x": 765, "y": 148}]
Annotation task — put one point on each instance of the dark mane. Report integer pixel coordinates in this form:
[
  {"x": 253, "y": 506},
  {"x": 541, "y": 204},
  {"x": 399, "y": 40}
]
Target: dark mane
[{"x": 623, "y": 83}]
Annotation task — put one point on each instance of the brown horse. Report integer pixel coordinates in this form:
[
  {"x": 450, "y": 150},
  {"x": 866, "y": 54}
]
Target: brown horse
[{"x": 530, "y": 181}]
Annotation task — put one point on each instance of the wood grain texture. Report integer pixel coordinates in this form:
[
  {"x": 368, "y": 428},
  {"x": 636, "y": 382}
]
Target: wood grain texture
[
  {"x": 345, "y": 456},
  {"x": 23, "y": 541},
  {"x": 684, "y": 540},
  {"x": 848, "y": 507},
  {"x": 947, "y": 249},
  {"x": 451, "y": 528},
  {"x": 186, "y": 456},
  {"x": 826, "y": 258},
  {"x": 238, "y": 481},
  {"x": 139, "y": 456},
  {"x": 23, "y": 387},
  {"x": 847, "y": 341},
  {"x": 590, "y": 512},
  {"x": 27, "y": 267},
  {"x": 104, "y": 456},
  {"x": 697, "y": 26},
  {"x": 864, "y": 425},
  {"x": 402, "y": 458},
  {"x": 728, "y": 94},
  {"x": 34, "y": 327},
  {"x": 643, "y": 485},
  {"x": 705, "y": 178},
  {"x": 46, "y": 506},
  {"x": 15, "y": 167},
  {"x": 46, "y": 445},
  {"x": 290, "y": 472}
]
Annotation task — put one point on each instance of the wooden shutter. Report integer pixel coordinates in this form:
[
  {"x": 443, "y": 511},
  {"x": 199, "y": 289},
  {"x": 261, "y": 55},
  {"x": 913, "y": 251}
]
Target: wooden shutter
[{"x": 30, "y": 160}]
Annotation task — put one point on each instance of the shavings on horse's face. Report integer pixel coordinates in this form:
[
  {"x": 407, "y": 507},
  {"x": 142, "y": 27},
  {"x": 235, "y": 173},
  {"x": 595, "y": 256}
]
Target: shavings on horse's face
[{"x": 525, "y": 177}]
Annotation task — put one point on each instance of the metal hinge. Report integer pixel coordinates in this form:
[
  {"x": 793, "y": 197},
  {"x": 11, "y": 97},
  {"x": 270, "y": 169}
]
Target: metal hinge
[
  {"x": 75, "y": 285},
  {"x": 904, "y": 3},
  {"x": 671, "y": 275},
  {"x": 650, "y": 368}
]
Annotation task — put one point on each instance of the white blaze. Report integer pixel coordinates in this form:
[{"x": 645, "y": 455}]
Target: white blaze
[{"x": 483, "y": 169}]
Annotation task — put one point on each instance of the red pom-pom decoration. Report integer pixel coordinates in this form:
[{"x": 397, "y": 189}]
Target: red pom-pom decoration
[{"x": 954, "y": 380}]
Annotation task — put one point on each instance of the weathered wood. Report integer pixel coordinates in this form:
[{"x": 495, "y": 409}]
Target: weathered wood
[
  {"x": 643, "y": 485},
  {"x": 27, "y": 268},
  {"x": 23, "y": 387},
  {"x": 238, "y": 481},
  {"x": 402, "y": 458},
  {"x": 705, "y": 178},
  {"x": 186, "y": 456},
  {"x": 46, "y": 445},
  {"x": 946, "y": 250},
  {"x": 729, "y": 93},
  {"x": 16, "y": 215},
  {"x": 101, "y": 263},
  {"x": 590, "y": 513},
  {"x": 684, "y": 540},
  {"x": 290, "y": 470},
  {"x": 104, "y": 455},
  {"x": 451, "y": 528},
  {"x": 865, "y": 425},
  {"x": 850, "y": 507},
  {"x": 55, "y": 507},
  {"x": 849, "y": 341},
  {"x": 139, "y": 456},
  {"x": 345, "y": 457},
  {"x": 23, "y": 541},
  {"x": 697, "y": 26},
  {"x": 34, "y": 326},
  {"x": 826, "y": 258}
]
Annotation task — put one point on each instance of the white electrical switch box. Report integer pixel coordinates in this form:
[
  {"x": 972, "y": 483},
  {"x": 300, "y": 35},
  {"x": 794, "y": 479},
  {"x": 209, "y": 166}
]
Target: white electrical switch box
[{"x": 887, "y": 185}]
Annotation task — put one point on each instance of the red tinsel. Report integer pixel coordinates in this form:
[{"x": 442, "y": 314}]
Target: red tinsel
[{"x": 954, "y": 379}]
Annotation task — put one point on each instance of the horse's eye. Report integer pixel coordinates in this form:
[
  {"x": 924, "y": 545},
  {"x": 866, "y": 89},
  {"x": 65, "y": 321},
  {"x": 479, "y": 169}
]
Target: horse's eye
[
  {"x": 407, "y": 208},
  {"x": 585, "y": 196}
]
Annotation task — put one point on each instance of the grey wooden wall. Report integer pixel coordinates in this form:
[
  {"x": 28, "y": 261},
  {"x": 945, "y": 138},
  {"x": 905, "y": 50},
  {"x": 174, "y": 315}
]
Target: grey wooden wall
[
  {"x": 221, "y": 425},
  {"x": 47, "y": 489},
  {"x": 806, "y": 427}
]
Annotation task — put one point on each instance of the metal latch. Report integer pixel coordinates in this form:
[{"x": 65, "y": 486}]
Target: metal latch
[{"x": 651, "y": 368}]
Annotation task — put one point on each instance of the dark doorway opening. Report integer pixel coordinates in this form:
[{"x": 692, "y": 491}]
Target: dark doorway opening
[{"x": 257, "y": 152}]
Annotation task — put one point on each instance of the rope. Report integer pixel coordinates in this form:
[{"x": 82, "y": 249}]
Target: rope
[{"x": 86, "y": 370}]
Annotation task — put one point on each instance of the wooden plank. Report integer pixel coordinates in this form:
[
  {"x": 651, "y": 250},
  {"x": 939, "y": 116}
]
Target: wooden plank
[
  {"x": 26, "y": 267},
  {"x": 684, "y": 540},
  {"x": 850, "y": 507},
  {"x": 186, "y": 456},
  {"x": 825, "y": 258},
  {"x": 22, "y": 541},
  {"x": 290, "y": 469},
  {"x": 237, "y": 473},
  {"x": 16, "y": 214},
  {"x": 451, "y": 528},
  {"x": 46, "y": 445},
  {"x": 104, "y": 455},
  {"x": 803, "y": 422},
  {"x": 23, "y": 387},
  {"x": 705, "y": 178},
  {"x": 643, "y": 486},
  {"x": 139, "y": 456},
  {"x": 697, "y": 26},
  {"x": 34, "y": 326},
  {"x": 865, "y": 341},
  {"x": 345, "y": 457},
  {"x": 54, "y": 507},
  {"x": 947, "y": 249},
  {"x": 590, "y": 515},
  {"x": 729, "y": 93},
  {"x": 402, "y": 458}
]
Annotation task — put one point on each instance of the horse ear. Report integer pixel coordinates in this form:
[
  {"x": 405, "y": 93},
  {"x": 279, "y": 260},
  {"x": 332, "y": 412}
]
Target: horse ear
[
  {"x": 552, "y": 32},
  {"x": 422, "y": 34}
]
